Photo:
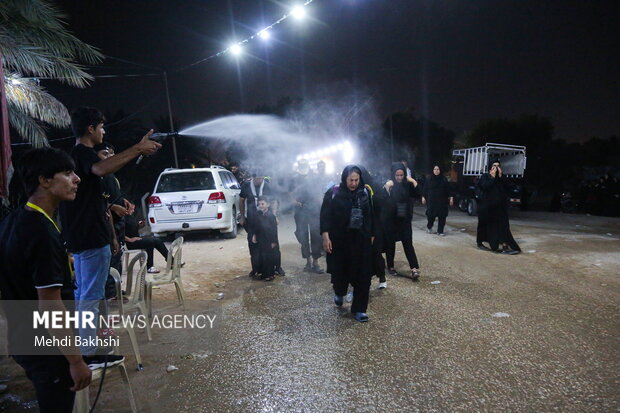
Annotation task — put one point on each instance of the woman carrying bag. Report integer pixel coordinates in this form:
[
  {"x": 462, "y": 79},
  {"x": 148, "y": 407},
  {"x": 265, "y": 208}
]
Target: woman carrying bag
[{"x": 347, "y": 228}]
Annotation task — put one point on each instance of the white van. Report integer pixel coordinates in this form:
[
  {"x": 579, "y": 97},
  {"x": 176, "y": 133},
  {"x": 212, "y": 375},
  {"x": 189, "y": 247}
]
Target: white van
[{"x": 195, "y": 200}]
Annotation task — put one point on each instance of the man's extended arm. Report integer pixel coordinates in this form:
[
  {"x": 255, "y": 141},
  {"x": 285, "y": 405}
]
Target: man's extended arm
[{"x": 114, "y": 163}]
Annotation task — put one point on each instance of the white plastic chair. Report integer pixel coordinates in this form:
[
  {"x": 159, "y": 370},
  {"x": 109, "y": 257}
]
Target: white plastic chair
[
  {"x": 135, "y": 293},
  {"x": 127, "y": 255},
  {"x": 82, "y": 397},
  {"x": 128, "y": 328},
  {"x": 171, "y": 275}
]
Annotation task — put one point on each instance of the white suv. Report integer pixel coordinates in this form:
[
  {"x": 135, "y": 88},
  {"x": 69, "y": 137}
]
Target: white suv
[{"x": 195, "y": 199}]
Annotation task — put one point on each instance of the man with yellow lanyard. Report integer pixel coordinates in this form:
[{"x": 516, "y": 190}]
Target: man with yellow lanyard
[{"x": 35, "y": 274}]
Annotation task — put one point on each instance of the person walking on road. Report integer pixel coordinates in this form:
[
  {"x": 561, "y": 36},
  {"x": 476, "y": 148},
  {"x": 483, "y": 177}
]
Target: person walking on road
[
  {"x": 400, "y": 191},
  {"x": 305, "y": 192},
  {"x": 493, "y": 225},
  {"x": 347, "y": 229},
  {"x": 437, "y": 199}
]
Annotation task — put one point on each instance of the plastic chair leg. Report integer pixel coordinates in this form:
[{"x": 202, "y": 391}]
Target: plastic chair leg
[
  {"x": 149, "y": 299},
  {"x": 81, "y": 404},
  {"x": 134, "y": 346},
  {"x": 143, "y": 310},
  {"x": 125, "y": 378},
  {"x": 180, "y": 292}
]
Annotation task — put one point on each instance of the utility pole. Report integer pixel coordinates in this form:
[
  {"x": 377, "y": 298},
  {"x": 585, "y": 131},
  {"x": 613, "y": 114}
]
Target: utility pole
[
  {"x": 391, "y": 140},
  {"x": 174, "y": 142}
]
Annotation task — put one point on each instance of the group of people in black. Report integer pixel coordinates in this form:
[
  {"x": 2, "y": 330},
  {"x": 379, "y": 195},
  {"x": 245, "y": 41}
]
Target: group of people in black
[
  {"x": 360, "y": 219},
  {"x": 35, "y": 265}
]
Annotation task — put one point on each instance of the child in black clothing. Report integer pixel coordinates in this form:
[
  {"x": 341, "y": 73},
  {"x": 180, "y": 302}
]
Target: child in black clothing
[{"x": 265, "y": 234}]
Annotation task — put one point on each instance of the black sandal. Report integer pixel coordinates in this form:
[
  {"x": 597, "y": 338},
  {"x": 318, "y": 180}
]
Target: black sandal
[{"x": 415, "y": 275}]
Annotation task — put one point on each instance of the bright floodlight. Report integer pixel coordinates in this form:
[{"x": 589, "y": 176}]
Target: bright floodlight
[
  {"x": 264, "y": 34},
  {"x": 329, "y": 167},
  {"x": 348, "y": 152},
  {"x": 235, "y": 49},
  {"x": 298, "y": 12}
]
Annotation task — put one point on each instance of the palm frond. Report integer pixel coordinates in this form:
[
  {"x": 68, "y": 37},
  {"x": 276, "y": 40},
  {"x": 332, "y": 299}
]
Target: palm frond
[
  {"x": 20, "y": 57},
  {"x": 35, "y": 61},
  {"x": 27, "y": 127},
  {"x": 53, "y": 37},
  {"x": 34, "y": 40},
  {"x": 31, "y": 98}
]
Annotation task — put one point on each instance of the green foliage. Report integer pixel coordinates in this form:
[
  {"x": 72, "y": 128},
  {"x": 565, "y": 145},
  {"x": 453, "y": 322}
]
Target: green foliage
[{"x": 34, "y": 43}]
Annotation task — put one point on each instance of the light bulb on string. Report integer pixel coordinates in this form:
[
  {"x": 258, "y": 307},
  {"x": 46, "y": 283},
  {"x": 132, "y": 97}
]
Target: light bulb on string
[
  {"x": 298, "y": 12},
  {"x": 235, "y": 49},
  {"x": 264, "y": 34}
]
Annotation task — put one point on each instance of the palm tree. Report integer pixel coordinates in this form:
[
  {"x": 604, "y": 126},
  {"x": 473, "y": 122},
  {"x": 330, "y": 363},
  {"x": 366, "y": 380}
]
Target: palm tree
[{"x": 35, "y": 44}]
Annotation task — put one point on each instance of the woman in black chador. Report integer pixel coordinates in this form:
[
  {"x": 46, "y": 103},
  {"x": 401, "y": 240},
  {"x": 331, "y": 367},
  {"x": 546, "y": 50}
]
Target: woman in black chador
[
  {"x": 493, "y": 226},
  {"x": 437, "y": 198},
  {"x": 347, "y": 228},
  {"x": 399, "y": 204}
]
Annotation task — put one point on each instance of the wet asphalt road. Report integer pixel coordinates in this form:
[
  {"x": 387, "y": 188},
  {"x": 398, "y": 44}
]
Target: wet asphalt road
[
  {"x": 285, "y": 347},
  {"x": 428, "y": 347}
]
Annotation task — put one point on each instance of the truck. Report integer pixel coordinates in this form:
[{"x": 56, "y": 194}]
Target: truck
[{"x": 470, "y": 163}]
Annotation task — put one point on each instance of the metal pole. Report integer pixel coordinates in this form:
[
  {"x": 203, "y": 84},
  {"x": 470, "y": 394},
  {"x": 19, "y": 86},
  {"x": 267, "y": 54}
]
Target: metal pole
[
  {"x": 391, "y": 140},
  {"x": 174, "y": 142}
]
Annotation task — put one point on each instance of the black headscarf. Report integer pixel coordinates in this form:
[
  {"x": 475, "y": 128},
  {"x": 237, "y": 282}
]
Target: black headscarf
[
  {"x": 343, "y": 180},
  {"x": 435, "y": 180},
  {"x": 400, "y": 191},
  {"x": 494, "y": 161},
  {"x": 366, "y": 177}
]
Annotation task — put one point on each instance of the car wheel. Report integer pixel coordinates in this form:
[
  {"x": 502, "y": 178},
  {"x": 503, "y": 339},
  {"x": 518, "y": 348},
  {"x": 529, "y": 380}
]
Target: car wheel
[
  {"x": 233, "y": 224},
  {"x": 472, "y": 207},
  {"x": 462, "y": 204}
]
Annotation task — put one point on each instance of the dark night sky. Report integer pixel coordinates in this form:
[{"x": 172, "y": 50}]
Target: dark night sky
[{"x": 456, "y": 61}]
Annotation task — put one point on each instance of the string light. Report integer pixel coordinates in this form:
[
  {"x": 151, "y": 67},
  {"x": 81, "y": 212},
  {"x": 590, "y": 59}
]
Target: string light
[
  {"x": 264, "y": 34},
  {"x": 297, "y": 12},
  {"x": 235, "y": 49}
]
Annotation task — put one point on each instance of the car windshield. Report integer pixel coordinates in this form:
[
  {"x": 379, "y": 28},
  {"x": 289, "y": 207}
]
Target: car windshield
[{"x": 186, "y": 181}]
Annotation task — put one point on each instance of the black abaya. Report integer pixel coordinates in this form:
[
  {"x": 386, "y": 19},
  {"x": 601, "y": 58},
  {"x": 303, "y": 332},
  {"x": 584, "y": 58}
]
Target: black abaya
[
  {"x": 493, "y": 224},
  {"x": 437, "y": 194},
  {"x": 350, "y": 261}
]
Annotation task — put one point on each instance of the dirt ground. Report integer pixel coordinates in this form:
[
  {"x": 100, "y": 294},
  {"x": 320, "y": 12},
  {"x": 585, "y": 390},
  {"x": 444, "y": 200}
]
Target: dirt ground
[{"x": 569, "y": 266}]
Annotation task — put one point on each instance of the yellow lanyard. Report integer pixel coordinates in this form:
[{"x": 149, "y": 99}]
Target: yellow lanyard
[{"x": 41, "y": 211}]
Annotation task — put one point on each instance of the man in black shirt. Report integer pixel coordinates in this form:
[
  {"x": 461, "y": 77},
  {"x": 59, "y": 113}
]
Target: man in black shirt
[
  {"x": 34, "y": 266},
  {"x": 86, "y": 226},
  {"x": 118, "y": 208}
]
